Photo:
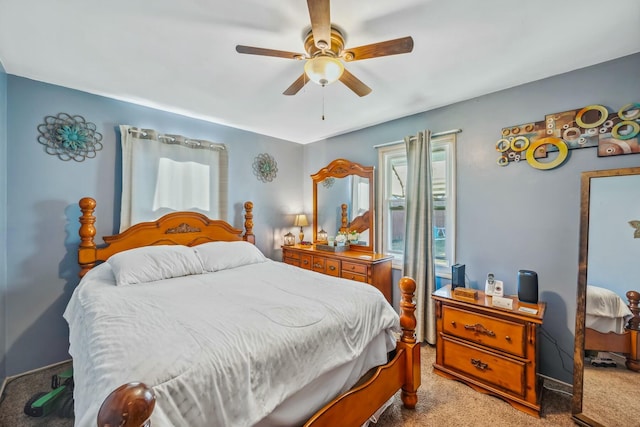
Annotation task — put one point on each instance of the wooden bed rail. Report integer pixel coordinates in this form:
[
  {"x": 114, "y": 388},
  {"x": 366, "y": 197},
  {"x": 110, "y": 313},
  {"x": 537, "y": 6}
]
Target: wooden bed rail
[
  {"x": 178, "y": 228},
  {"x": 131, "y": 405}
]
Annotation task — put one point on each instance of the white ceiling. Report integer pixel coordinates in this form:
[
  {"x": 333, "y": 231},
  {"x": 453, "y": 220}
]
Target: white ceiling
[{"x": 180, "y": 56}]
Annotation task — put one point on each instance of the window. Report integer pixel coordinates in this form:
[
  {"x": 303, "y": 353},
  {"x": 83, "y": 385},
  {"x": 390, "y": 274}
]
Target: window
[
  {"x": 392, "y": 173},
  {"x": 166, "y": 173}
]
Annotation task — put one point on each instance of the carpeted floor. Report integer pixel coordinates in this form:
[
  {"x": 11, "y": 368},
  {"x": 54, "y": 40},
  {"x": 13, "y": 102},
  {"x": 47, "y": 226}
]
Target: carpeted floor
[
  {"x": 441, "y": 402},
  {"x": 17, "y": 392}
]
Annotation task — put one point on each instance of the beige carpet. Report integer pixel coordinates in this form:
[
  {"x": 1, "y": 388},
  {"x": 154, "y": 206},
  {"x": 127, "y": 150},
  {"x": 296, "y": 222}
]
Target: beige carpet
[
  {"x": 443, "y": 402},
  {"x": 611, "y": 394}
]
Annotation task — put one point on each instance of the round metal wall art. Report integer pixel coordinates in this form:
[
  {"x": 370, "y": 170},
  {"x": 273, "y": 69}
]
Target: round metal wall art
[
  {"x": 69, "y": 137},
  {"x": 265, "y": 167}
]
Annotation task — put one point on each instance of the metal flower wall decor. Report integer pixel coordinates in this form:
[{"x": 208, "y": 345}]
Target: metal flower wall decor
[
  {"x": 69, "y": 137},
  {"x": 265, "y": 167}
]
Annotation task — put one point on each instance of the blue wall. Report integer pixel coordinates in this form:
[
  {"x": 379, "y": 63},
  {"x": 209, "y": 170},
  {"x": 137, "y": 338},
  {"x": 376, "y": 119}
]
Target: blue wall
[
  {"x": 43, "y": 191},
  {"x": 3, "y": 214},
  {"x": 513, "y": 217}
]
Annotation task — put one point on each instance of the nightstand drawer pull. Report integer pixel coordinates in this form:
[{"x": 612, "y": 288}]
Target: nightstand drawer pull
[
  {"x": 479, "y": 364},
  {"x": 305, "y": 262},
  {"x": 332, "y": 267},
  {"x": 317, "y": 265},
  {"x": 478, "y": 328}
]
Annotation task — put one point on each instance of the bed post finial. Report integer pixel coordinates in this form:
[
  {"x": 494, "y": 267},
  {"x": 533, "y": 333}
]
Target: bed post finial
[
  {"x": 344, "y": 220},
  {"x": 87, "y": 231},
  {"x": 130, "y": 405},
  {"x": 248, "y": 223},
  {"x": 634, "y": 299}
]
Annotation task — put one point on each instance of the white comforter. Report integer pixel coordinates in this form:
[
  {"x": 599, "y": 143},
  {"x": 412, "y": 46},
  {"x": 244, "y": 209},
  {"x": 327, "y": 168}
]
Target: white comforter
[{"x": 219, "y": 349}]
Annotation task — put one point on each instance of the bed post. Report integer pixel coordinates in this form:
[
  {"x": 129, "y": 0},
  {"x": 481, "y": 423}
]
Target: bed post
[
  {"x": 87, "y": 247},
  {"x": 130, "y": 405},
  {"x": 633, "y": 357},
  {"x": 248, "y": 223},
  {"x": 407, "y": 341}
]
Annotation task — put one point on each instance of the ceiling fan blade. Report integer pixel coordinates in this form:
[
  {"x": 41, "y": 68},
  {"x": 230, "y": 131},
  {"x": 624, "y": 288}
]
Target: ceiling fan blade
[
  {"x": 390, "y": 47},
  {"x": 297, "y": 85},
  {"x": 268, "y": 52},
  {"x": 320, "y": 14},
  {"x": 353, "y": 83}
]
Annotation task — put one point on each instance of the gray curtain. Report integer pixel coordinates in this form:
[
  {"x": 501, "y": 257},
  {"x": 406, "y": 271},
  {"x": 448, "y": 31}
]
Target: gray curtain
[{"x": 418, "y": 249}]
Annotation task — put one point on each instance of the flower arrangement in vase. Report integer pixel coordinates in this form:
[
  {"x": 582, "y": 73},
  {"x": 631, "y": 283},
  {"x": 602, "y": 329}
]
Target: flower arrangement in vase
[
  {"x": 353, "y": 236},
  {"x": 341, "y": 238}
]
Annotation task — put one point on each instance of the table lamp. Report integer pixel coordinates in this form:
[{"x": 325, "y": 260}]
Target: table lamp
[{"x": 301, "y": 221}]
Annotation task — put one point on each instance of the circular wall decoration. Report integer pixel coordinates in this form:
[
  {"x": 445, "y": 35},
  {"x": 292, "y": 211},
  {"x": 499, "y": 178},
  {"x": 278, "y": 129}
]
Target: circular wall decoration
[
  {"x": 265, "y": 167},
  {"x": 69, "y": 137},
  {"x": 563, "y": 152}
]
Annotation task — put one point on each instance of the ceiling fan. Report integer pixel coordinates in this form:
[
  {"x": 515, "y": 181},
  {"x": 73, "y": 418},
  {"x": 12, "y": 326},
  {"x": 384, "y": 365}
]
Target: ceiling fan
[{"x": 324, "y": 46}]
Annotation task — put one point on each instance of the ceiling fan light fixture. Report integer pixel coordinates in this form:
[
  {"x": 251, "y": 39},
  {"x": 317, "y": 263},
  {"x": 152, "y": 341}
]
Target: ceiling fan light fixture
[{"x": 323, "y": 70}]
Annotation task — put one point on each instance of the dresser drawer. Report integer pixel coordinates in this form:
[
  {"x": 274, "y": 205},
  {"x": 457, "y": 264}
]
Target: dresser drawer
[
  {"x": 353, "y": 276},
  {"x": 352, "y": 267},
  {"x": 292, "y": 261},
  {"x": 319, "y": 264},
  {"x": 490, "y": 331},
  {"x": 491, "y": 368},
  {"x": 305, "y": 261},
  {"x": 332, "y": 267}
]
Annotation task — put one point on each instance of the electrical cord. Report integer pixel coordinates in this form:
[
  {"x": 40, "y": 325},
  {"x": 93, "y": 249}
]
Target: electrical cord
[{"x": 560, "y": 351}]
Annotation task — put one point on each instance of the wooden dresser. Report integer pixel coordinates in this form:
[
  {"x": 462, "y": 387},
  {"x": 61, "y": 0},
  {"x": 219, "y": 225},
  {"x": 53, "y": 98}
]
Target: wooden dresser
[
  {"x": 366, "y": 267},
  {"x": 491, "y": 349}
]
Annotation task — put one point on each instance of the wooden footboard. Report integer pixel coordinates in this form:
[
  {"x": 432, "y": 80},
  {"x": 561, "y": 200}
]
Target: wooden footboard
[
  {"x": 627, "y": 343},
  {"x": 131, "y": 404}
]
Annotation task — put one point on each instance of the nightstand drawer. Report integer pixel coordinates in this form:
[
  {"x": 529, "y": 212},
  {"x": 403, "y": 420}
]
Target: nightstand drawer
[
  {"x": 490, "y": 331},
  {"x": 353, "y": 268},
  {"x": 491, "y": 368}
]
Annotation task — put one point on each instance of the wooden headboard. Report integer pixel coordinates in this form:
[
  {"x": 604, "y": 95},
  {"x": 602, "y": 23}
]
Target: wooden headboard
[{"x": 176, "y": 228}]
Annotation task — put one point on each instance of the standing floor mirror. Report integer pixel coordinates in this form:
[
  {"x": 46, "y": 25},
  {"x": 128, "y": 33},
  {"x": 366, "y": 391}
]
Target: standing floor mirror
[{"x": 607, "y": 336}]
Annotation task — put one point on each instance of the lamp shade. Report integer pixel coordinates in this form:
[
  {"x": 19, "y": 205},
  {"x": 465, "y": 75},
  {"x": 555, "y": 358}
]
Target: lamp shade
[
  {"x": 300, "y": 220},
  {"x": 323, "y": 70}
]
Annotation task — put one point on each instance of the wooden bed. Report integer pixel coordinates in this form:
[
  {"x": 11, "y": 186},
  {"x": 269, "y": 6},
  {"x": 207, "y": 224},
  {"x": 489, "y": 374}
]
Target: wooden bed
[
  {"x": 132, "y": 404},
  {"x": 627, "y": 342}
]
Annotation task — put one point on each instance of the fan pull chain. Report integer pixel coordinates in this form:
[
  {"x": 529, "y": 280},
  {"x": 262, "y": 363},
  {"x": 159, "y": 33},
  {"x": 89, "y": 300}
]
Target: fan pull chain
[{"x": 322, "y": 102}]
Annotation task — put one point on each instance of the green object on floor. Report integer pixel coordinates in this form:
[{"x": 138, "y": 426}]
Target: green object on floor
[{"x": 61, "y": 397}]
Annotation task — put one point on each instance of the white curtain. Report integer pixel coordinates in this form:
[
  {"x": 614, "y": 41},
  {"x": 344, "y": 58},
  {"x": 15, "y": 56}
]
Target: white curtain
[
  {"x": 167, "y": 173},
  {"x": 418, "y": 249}
]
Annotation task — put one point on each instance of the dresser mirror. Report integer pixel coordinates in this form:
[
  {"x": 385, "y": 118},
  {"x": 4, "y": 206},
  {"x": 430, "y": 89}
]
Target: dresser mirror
[
  {"x": 606, "y": 367},
  {"x": 343, "y": 201}
]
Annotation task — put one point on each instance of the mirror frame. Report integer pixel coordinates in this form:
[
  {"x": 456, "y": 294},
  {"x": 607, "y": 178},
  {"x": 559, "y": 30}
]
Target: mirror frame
[
  {"x": 578, "y": 354},
  {"x": 341, "y": 168}
]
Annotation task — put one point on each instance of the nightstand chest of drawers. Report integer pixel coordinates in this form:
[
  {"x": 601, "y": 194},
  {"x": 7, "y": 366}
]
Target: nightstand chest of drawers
[
  {"x": 371, "y": 268},
  {"x": 491, "y": 349}
]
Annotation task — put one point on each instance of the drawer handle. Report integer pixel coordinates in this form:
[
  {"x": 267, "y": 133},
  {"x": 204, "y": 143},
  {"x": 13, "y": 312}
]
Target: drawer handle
[
  {"x": 305, "y": 262},
  {"x": 478, "y": 328},
  {"x": 317, "y": 265},
  {"x": 508, "y": 338},
  {"x": 332, "y": 268},
  {"x": 479, "y": 364}
]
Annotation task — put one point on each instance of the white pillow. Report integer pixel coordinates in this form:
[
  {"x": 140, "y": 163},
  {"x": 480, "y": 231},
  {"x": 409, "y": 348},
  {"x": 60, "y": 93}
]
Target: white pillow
[
  {"x": 217, "y": 256},
  {"x": 150, "y": 263}
]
